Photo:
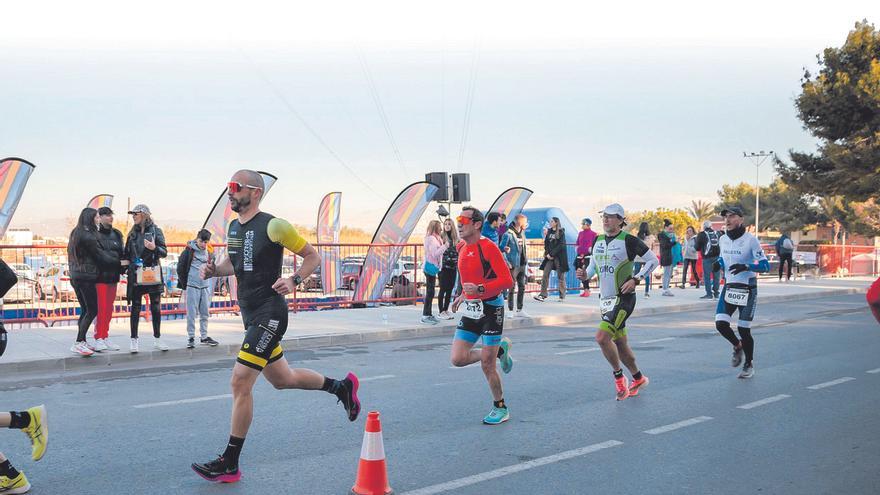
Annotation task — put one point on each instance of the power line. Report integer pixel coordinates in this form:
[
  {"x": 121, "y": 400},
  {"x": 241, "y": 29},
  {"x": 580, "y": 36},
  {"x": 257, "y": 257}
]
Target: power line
[
  {"x": 378, "y": 101},
  {"x": 475, "y": 62},
  {"x": 305, "y": 124}
]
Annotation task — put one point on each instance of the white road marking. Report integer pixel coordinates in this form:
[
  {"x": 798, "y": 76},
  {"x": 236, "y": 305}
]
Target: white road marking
[
  {"x": 379, "y": 377},
  {"x": 680, "y": 424},
  {"x": 578, "y": 351},
  {"x": 874, "y": 371},
  {"x": 515, "y": 468},
  {"x": 183, "y": 401},
  {"x": 831, "y": 383},
  {"x": 768, "y": 400},
  {"x": 665, "y": 339}
]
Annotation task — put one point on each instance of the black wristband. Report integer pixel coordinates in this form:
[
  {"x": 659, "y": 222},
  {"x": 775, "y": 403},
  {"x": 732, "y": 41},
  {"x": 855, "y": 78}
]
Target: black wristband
[{"x": 297, "y": 279}]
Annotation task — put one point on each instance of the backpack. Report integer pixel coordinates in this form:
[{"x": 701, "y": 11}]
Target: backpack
[{"x": 712, "y": 249}]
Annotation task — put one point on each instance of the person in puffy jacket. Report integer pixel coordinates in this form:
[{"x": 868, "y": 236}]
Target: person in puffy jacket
[
  {"x": 111, "y": 241},
  {"x": 448, "y": 270},
  {"x": 144, "y": 247},
  {"x": 86, "y": 257}
]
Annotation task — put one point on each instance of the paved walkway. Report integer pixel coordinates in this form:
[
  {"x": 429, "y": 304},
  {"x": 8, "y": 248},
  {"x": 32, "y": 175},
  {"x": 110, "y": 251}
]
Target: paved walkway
[{"x": 48, "y": 349}]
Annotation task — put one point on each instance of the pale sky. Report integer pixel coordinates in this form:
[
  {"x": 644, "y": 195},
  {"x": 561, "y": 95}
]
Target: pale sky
[{"x": 641, "y": 103}]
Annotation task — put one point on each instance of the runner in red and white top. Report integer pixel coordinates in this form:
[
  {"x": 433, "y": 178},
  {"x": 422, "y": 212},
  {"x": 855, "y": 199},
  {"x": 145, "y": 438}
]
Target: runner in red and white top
[{"x": 484, "y": 276}]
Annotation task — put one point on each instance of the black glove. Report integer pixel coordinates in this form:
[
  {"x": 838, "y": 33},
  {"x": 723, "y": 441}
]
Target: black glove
[
  {"x": 716, "y": 266},
  {"x": 738, "y": 268},
  {"x": 2, "y": 339}
]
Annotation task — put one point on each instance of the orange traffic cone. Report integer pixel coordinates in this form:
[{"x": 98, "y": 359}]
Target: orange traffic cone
[{"x": 372, "y": 475}]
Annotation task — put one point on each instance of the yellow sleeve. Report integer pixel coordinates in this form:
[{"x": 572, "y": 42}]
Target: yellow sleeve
[{"x": 281, "y": 232}]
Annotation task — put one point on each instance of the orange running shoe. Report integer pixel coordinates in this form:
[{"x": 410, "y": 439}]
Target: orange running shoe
[
  {"x": 622, "y": 389},
  {"x": 637, "y": 385}
]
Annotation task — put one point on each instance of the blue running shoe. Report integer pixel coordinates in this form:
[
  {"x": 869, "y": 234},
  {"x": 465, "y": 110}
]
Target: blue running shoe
[
  {"x": 506, "y": 360},
  {"x": 497, "y": 416}
]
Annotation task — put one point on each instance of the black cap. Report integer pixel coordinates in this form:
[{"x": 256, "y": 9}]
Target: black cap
[
  {"x": 104, "y": 211},
  {"x": 736, "y": 210}
]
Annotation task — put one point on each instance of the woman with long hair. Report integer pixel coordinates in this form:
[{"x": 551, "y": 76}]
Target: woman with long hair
[
  {"x": 644, "y": 234},
  {"x": 434, "y": 248},
  {"x": 690, "y": 256},
  {"x": 555, "y": 258},
  {"x": 448, "y": 269},
  {"x": 86, "y": 257},
  {"x": 144, "y": 247}
]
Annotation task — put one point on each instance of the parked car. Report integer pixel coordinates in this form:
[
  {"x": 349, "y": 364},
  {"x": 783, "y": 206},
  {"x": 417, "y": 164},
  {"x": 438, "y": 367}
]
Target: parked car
[
  {"x": 169, "y": 275},
  {"x": 533, "y": 271},
  {"x": 351, "y": 272},
  {"x": 25, "y": 290},
  {"x": 53, "y": 283},
  {"x": 24, "y": 271},
  {"x": 312, "y": 282}
]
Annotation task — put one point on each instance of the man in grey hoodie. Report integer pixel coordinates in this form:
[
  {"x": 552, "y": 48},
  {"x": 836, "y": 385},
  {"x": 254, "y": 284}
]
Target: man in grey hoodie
[{"x": 198, "y": 291}]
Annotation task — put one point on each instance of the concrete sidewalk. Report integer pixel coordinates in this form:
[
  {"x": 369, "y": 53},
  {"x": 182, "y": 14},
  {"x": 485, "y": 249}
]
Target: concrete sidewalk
[{"x": 48, "y": 349}]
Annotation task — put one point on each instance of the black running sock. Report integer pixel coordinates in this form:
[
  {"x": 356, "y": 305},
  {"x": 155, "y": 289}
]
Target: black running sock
[
  {"x": 233, "y": 450},
  {"x": 20, "y": 420},
  {"x": 7, "y": 470},
  {"x": 748, "y": 343},
  {"x": 724, "y": 329},
  {"x": 637, "y": 376},
  {"x": 331, "y": 386},
  {"x": 618, "y": 373},
  {"x": 500, "y": 403}
]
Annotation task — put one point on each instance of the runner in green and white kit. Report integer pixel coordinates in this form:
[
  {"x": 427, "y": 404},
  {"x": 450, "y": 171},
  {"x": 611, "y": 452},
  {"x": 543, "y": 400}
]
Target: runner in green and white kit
[{"x": 613, "y": 255}]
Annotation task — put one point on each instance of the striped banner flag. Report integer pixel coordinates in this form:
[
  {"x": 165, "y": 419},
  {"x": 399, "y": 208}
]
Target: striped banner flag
[
  {"x": 511, "y": 202},
  {"x": 14, "y": 175},
  {"x": 394, "y": 230},
  {"x": 101, "y": 201},
  {"x": 328, "y": 240}
]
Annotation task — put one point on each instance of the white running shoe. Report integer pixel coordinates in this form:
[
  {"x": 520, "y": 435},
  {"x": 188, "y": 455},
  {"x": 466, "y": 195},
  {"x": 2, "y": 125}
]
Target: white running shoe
[
  {"x": 134, "y": 346},
  {"x": 158, "y": 344},
  {"x": 110, "y": 345},
  {"x": 522, "y": 314},
  {"x": 668, "y": 293},
  {"x": 100, "y": 345},
  {"x": 82, "y": 349},
  {"x": 446, "y": 315}
]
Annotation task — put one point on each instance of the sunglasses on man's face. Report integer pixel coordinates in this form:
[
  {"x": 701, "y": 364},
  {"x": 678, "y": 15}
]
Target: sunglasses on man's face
[
  {"x": 235, "y": 187},
  {"x": 465, "y": 220}
]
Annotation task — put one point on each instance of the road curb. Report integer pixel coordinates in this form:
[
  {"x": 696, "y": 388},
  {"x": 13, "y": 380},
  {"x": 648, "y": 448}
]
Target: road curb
[{"x": 93, "y": 363}]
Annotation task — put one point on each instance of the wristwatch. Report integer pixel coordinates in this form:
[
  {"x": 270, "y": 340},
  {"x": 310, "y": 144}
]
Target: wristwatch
[
  {"x": 481, "y": 289},
  {"x": 297, "y": 279}
]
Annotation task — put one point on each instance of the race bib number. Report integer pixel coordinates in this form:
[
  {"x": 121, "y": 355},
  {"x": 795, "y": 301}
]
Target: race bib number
[
  {"x": 473, "y": 309},
  {"x": 737, "y": 297},
  {"x": 607, "y": 304}
]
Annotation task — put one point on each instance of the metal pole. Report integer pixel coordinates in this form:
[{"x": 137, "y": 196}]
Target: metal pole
[
  {"x": 757, "y": 159},
  {"x": 757, "y": 197}
]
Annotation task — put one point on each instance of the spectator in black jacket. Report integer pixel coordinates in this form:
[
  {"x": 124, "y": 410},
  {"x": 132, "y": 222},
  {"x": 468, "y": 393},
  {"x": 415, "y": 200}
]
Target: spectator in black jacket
[
  {"x": 144, "y": 247},
  {"x": 448, "y": 269},
  {"x": 708, "y": 247},
  {"x": 555, "y": 258},
  {"x": 198, "y": 291},
  {"x": 111, "y": 241},
  {"x": 667, "y": 242},
  {"x": 85, "y": 255}
]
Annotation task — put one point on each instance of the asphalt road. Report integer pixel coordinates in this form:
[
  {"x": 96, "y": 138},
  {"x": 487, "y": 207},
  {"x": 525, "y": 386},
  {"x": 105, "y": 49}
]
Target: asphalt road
[{"x": 695, "y": 429}]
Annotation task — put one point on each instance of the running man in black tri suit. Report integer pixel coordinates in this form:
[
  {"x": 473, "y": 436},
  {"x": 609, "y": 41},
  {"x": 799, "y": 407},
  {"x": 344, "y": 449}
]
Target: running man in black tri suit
[{"x": 255, "y": 252}]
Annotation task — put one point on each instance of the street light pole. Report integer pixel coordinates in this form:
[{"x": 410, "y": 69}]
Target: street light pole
[{"x": 757, "y": 159}]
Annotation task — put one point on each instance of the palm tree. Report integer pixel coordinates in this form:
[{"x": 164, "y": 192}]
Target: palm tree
[{"x": 700, "y": 210}]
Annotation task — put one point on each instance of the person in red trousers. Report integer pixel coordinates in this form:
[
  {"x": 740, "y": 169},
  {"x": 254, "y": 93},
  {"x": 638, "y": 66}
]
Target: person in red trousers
[{"x": 111, "y": 240}]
